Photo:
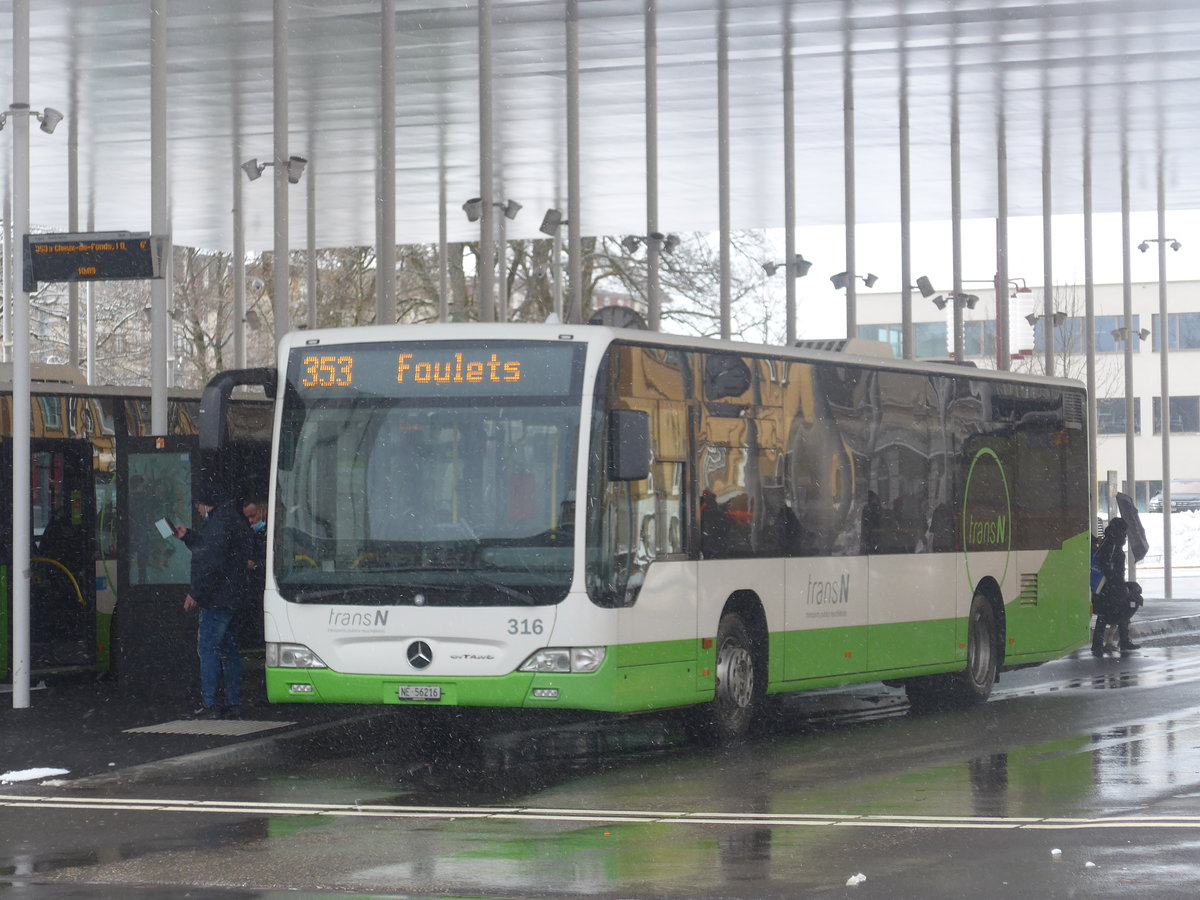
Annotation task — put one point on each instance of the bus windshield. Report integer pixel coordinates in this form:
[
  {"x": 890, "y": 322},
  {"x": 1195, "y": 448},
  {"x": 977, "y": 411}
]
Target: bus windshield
[{"x": 403, "y": 493}]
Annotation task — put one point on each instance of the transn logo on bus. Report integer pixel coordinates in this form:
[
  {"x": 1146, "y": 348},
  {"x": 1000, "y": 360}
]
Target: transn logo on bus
[
  {"x": 341, "y": 619},
  {"x": 827, "y": 593},
  {"x": 987, "y": 515}
]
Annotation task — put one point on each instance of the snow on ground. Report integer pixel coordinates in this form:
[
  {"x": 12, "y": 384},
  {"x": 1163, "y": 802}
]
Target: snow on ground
[
  {"x": 30, "y": 775},
  {"x": 1185, "y": 539}
]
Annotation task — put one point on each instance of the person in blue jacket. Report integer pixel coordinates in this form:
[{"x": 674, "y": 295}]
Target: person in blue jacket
[{"x": 218, "y": 589}]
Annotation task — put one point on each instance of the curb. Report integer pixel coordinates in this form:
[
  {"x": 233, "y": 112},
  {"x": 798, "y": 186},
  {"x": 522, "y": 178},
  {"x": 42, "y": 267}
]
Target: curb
[{"x": 1156, "y": 627}]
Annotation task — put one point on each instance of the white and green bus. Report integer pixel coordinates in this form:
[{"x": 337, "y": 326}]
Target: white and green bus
[{"x": 583, "y": 517}]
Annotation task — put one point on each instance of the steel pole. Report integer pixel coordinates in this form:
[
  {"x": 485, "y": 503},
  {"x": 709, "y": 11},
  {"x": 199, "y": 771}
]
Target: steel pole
[
  {"x": 956, "y": 206},
  {"x": 21, "y": 402},
  {"x": 1164, "y": 346},
  {"x": 385, "y": 302},
  {"x": 1127, "y": 304},
  {"x": 486, "y": 276},
  {"x": 1089, "y": 307},
  {"x": 723, "y": 200},
  {"x": 281, "y": 282},
  {"x": 848, "y": 173},
  {"x": 160, "y": 225},
  {"x": 790, "y": 273},
  {"x": 574, "y": 189},
  {"x": 906, "y": 278},
  {"x": 653, "y": 248}
]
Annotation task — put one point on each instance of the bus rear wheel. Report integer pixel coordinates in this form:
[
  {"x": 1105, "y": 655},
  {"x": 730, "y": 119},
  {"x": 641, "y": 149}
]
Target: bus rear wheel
[
  {"x": 974, "y": 683},
  {"x": 740, "y": 684}
]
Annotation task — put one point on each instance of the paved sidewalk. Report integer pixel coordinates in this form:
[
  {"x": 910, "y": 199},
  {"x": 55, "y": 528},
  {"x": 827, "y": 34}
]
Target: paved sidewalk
[{"x": 100, "y": 732}]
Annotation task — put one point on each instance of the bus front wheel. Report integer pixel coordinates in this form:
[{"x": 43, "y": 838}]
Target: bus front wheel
[{"x": 740, "y": 687}]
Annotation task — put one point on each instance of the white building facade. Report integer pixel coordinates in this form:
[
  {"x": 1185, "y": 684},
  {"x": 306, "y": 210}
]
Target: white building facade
[{"x": 879, "y": 318}]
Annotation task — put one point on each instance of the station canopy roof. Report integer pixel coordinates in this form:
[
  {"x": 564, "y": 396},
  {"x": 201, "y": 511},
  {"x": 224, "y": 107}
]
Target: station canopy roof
[{"x": 1125, "y": 73}]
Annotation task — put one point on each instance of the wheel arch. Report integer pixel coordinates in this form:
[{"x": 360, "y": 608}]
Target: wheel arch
[
  {"x": 989, "y": 589},
  {"x": 749, "y": 607}
]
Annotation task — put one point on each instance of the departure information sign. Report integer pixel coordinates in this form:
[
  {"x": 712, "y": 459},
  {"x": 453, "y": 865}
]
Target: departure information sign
[
  {"x": 95, "y": 256},
  {"x": 426, "y": 369}
]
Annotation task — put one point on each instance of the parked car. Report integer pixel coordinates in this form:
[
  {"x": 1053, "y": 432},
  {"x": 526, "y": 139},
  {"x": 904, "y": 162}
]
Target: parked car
[{"x": 1184, "y": 495}]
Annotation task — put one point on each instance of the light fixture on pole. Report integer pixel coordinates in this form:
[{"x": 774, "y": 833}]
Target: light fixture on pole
[
  {"x": 294, "y": 166},
  {"x": 668, "y": 241},
  {"x": 1119, "y": 334},
  {"x": 797, "y": 268},
  {"x": 48, "y": 117},
  {"x": 552, "y": 224},
  {"x": 1058, "y": 318},
  {"x": 1169, "y": 242},
  {"x": 552, "y": 221},
  {"x": 841, "y": 278}
]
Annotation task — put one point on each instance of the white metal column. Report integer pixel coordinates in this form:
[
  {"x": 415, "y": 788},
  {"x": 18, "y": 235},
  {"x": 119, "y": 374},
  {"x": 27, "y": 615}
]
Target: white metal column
[
  {"x": 848, "y": 188},
  {"x": 1127, "y": 305},
  {"x": 653, "y": 247},
  {"x": 574, "y": 190},
  {"x": 160, "y": 289},
  {"x": 1047, "y": 215},
  {"x": 1003, "y": 308},
  {"x": 790, "y": 274},
  {"x": 486, "y": 278},
  {"x": 726, "y": 261},
  {"x": 385, "y": 252},
  {"x": 281, "y": 282},
  {"x": 1164, "y": 345},
  {"x": 956, "y": 302},
  {"x": 21, "y": 404},
  {"x": 906, "y": 278},
  {"x": 1089, "y": 307}
]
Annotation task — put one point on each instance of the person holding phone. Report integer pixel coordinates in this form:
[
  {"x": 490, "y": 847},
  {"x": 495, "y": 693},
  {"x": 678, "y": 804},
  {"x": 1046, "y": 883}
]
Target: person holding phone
[{"x": 218, "y": 590}]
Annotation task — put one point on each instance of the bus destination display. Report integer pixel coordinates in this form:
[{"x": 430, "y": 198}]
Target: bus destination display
[
  {"x": 436, "y": 370},
  {"x": 96, "y": 256}
]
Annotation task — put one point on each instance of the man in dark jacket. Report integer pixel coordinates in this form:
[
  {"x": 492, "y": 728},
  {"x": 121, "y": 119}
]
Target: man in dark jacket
[
  {"x": 1116, "y": 600},
  {"x": 218, "y": 589}
]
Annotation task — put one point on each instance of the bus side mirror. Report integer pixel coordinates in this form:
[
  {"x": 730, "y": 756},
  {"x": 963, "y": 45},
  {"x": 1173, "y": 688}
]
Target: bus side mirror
[
  {"x": 628, "y": 445},
  {"x": 214, "y": 402}
]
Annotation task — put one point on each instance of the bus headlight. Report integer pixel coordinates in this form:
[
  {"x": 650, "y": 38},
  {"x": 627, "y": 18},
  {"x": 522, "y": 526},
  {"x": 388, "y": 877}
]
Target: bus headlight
[
  {"x": 579, "y": 660},
  {"x": 292, "y": 656}
]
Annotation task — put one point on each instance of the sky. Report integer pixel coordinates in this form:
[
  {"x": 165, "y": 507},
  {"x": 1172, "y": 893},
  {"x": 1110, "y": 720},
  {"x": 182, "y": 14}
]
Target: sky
[{"x": 822, "y": 309}]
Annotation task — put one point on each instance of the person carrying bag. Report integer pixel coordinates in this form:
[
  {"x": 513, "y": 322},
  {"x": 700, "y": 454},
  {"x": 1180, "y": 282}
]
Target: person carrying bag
[{"x": 1114, "y": 600}]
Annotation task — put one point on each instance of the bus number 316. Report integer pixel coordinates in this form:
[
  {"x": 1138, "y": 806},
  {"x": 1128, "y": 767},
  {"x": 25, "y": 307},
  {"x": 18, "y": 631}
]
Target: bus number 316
[{"x": 525, "y": 626}]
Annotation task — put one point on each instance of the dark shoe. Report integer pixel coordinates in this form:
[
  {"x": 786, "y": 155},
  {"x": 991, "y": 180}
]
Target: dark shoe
[
  {"x": 1129, "y": 645},
  {"x": 206, "y": 712}
]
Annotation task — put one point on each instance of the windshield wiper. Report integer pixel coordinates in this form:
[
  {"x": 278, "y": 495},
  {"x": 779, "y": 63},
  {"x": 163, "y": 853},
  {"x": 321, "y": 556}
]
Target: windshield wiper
[
  {"x": 527, "y": 599},
  {"x": 317, "y": 596}
]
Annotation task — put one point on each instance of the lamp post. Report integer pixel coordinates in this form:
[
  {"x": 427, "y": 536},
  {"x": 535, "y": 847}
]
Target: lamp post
[
  {"x": 551, "y": 225},
  {"x": 292, "y": 169},
  {"x": 1164, "y": 402},
  {"x": 474, "y": 210},
  {"x": 797, "y": 268}
]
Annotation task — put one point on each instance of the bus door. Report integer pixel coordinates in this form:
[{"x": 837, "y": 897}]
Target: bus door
[
  {"x": 154, "y": 639},
  {"x": 62, "y": 600}
]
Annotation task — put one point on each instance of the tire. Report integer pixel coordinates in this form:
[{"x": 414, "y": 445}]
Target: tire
[
  {"x": 973, "y": 684},
  {"x": 741, "y": 683}
]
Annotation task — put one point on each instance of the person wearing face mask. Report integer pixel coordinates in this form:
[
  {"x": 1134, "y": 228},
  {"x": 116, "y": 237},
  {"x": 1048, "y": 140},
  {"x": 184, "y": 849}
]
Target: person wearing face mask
[
  {"x": 218, "y": 589},
  {"x": 255, "y": 511}
]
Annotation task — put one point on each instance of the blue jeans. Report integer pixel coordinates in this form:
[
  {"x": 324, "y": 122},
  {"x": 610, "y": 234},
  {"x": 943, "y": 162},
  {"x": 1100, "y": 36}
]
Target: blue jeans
[{"x": 217, "y": 647}]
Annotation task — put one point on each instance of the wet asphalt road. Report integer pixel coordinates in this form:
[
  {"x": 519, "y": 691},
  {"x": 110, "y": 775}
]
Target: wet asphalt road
[{"x": 1097, "y": 759}]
